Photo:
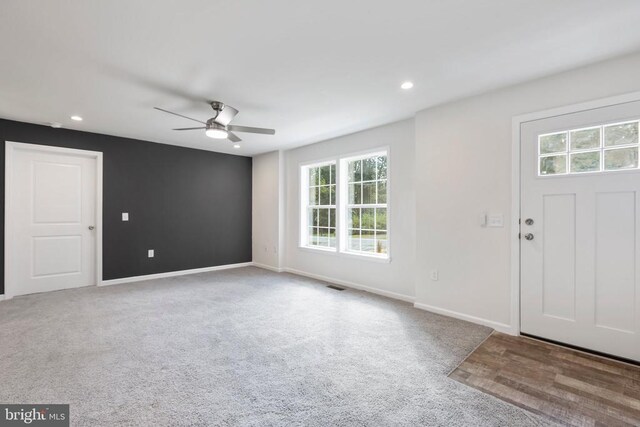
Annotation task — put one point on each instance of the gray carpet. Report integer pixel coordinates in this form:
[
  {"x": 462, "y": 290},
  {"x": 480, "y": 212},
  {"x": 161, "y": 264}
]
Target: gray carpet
[{"x": 243, "y": 347}]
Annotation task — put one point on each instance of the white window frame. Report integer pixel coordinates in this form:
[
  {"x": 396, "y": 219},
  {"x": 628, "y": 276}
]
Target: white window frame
[
  {"x": 602, "y": 149},
  {"x": 304, "y": 205},
  {"x": 344, "y": 204},
  {"x": 341, "y": 163}
]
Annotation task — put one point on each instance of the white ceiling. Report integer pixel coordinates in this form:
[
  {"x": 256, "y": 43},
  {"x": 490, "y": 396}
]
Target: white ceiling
[{"x": 311, "y": 70}]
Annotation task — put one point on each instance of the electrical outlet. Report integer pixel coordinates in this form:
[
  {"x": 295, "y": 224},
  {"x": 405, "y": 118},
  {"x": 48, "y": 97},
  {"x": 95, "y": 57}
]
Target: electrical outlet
[
  {"x": 125, "y": 216},
  {"x": 151, "y": 253},
  {"x": 434, "y": 275}
]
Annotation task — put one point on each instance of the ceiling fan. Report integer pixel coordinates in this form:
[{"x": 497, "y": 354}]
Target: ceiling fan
[{"x": 218, "y": 126}]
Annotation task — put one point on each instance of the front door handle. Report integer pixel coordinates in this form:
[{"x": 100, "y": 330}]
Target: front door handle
[
  {"x": 528, "y": 236},
  {"x": 91, "y": 227}
]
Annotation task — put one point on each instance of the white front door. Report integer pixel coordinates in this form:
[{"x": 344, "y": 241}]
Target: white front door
[
  {"x": 52, "y": 203},
  {"x": 580, "y": 229}
]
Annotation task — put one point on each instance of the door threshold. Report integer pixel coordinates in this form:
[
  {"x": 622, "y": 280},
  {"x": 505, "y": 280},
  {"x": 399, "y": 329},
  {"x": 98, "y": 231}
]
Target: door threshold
[{"x": 583, "y": 350}]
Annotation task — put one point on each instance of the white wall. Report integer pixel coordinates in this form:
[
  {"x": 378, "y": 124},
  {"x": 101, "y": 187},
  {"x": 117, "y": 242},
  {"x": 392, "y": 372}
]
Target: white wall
[
  {"x": 448, "y": 166},
  {"x": 266, "y": 210},
  {"x": 394, "y": 278},
  {"x": 463, "y": 153}
]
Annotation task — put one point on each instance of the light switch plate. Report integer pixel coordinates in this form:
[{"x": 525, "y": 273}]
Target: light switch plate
[
  {"x": 151, "y": 253},
  {"x": 125, "y": 216},
  {"x": 495, "y": 221},
  {"x": 483, "y": 219}
]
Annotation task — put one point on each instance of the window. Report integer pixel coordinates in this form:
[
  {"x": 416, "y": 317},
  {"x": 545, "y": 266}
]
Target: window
[
  {"x": 344, "y": 205},
  {"x": 609, "y": 147},
  {"x": 320, "y": 205},
  {"x": 366, "y": 208}
]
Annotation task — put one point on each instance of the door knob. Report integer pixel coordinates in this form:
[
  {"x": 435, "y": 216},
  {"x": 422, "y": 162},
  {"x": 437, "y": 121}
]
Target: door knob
[
  {"x": 528, "y": 221},
  {"x": 528, "y": 236},
  {"x": 91, "y": 227}
]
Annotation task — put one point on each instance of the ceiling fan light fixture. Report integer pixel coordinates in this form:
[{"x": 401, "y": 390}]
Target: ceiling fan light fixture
[
  {"x": 215, "y": 130},
  {"x": 217, "y": 133}
]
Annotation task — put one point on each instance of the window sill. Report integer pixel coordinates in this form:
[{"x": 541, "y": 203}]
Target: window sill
[
  {"x": 319, "y": 249},
  {"x": 334, "y": 252}
]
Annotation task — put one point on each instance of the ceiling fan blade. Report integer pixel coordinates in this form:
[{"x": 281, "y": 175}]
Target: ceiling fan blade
[
  {"x": 226, "y": 115},
  {"x": 233, "y": 137},
  {"x": 251, "y": 130},
  {"x": 180, "y": 115},
  {"x": 202, "y": 127}
]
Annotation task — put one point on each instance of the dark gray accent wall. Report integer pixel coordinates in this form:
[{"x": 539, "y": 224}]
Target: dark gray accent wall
[{"x": 192, "y": 206}]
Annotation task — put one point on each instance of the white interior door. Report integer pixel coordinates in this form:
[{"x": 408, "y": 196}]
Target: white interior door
[
  {"x": 52, "y": 229},
  {"x": 580, "y": 200}
]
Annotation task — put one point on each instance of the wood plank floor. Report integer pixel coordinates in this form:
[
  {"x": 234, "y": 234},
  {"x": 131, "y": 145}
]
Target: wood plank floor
[{"x": 568, "y": 386}]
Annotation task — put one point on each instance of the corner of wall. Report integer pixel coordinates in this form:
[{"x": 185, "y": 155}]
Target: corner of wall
[
  {"x": 268, "y": 207},
  {"x": 282, "y": 209}
]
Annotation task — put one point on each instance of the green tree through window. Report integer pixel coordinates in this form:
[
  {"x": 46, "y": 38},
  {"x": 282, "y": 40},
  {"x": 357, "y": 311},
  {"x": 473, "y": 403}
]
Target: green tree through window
[
  {"x": 367, "y": 205},
  {"x": 321, "y": 209}
]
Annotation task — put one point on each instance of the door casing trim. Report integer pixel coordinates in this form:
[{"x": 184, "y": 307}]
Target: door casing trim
[
  {"x": 516, "y": 124},
  {"x": 10, "y": 149}
]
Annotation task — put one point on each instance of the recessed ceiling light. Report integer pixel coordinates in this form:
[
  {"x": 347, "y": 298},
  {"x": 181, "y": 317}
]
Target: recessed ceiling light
[
  {"x": 236, "y": 146},
  {"x": 76, "y": 118},
  {"x": 406, "y": 85}
]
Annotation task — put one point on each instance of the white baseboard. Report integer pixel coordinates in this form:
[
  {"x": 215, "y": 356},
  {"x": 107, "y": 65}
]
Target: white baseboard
[
  {"x": 2, "y": 297},
  {"x": 268, "y": 267},
  {"x": 500, "y": 327},
  {"x": 172, "y": 274},
  {"x": 352, "y": 285}
]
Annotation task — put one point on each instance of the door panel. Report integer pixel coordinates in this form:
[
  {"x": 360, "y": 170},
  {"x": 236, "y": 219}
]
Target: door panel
[
  {"x": 57, "y": 193},
  {"x": 615, "y": 260},
  {"x": 559, "y": 255},
  {"x": 579, "y": 280},
  {"x": 57, "y": 255},
  {"x": 53, "y": 206}
]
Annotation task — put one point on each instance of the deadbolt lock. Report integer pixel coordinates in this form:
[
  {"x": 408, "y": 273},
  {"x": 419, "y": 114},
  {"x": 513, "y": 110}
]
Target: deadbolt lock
[{"x": 528, "y": 221}]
